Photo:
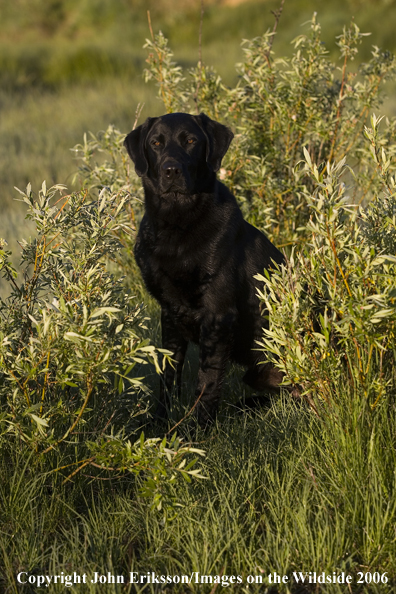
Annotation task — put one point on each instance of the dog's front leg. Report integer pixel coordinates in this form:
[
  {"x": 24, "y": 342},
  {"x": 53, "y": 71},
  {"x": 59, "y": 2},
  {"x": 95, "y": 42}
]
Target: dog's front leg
[
  {"x": 174, "y": 342},
  {"x": 215, "y": 344}
]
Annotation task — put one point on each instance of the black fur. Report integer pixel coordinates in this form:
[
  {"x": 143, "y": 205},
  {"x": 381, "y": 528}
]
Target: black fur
[{"x": 198, "y": 255}]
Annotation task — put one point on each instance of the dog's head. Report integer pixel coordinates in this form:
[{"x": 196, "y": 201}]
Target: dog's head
[{"x": 178, "y": 153}]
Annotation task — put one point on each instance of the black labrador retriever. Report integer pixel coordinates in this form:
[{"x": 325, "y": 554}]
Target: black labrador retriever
[{"x": 198, "y": 255}]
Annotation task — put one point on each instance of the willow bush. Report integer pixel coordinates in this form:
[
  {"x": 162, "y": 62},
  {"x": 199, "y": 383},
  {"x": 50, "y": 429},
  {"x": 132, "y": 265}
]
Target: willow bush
[
  {"x": 73, "y": 358},
  {"x": 332, "y": 307}
]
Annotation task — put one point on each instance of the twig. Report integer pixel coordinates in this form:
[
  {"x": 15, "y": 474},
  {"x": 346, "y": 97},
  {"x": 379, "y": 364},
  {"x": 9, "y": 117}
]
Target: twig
[
  {"x": 8, "y": 274},
  {"x": 213, "y": 590},
  {"x": 277, "y": 15},
  {"x": 67, "y": 466},
  {"x": 339, "y": 108},
  {"x": 200, "y": 63},
  {"x": 161, "y": 79},
  {"x": 84, "y": 462},
  {"x": 66, "y": 201},
  {"x": 44, "y": 384},
  {"x": 22, "y": 387},
  {"x": 101, "y": 467},
  {"x": 200, "y": 35},
  {"x": 149, "y": 24},
  {"x": 68, "y": 478},
  {"x": 189, "y": 412},
  {"x": 80, "y": 414},
  {"x": 10, "y": 278},
  {"x": 137, "y": 114},
  {"x": 103, "y": 478}
]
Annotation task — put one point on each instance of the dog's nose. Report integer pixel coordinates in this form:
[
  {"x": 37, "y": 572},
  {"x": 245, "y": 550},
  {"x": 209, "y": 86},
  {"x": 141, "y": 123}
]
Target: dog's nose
[{"x": 171, "y": 170}]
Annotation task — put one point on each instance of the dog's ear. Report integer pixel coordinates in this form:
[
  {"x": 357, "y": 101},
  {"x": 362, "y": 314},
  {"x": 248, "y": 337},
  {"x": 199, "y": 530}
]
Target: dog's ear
[
  {"x": 218, "y": 139},
  {"x": 134, "y": 144}
]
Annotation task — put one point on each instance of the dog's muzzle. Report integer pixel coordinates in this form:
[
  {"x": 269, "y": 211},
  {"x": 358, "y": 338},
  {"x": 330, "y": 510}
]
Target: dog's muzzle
[{"x": 173, "y": 178}]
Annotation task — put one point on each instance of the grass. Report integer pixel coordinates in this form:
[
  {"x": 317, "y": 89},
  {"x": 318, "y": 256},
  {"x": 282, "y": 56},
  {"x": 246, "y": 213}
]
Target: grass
[{"x": 285, "y": 495}]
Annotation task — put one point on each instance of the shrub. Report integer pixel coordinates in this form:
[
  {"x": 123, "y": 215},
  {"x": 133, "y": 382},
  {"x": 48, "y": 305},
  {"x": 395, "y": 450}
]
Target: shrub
[
  {"x": 332, "y": 307},
  {"x": 72, "y": 355},
  {"x": 293, "y": 488}
]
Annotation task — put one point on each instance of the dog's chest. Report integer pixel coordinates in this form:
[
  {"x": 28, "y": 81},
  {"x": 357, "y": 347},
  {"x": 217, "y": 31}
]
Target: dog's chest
[
  {"x": 174, "y": 271},
  {"x": 182, "y": 279}
]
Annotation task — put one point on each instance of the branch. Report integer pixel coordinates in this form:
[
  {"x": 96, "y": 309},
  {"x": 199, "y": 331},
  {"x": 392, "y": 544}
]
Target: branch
[
  {"x": 277, "y": 15},
  {"x": 80, "y": 414},
  {"x": 189, "y": 412},
  {"x": 200, "y": 63},
  {"x": 200, "y": 35}
]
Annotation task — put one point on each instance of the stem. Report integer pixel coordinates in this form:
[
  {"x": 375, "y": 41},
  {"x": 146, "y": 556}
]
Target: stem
[
  {"x": 277, "y": 15},
  {"x": 200, "y": 63},
  {"x": 10, "y": 278},
  {"x": 333, "y": 247},
  {"x": 161, "y": 77},
  {"x": 189, "y": 412},
  {"x": 22, "y": 387},
  {"x": 66, "y": 201},
  {"x": 68, "y": 478},
  {"x": 338, "y": 116},
  {"x": 44, "y": 385},
  {"x": 90, "y": 390},
  {"x": 149, "y": 24},
  {"x": 200, "y": 35}
]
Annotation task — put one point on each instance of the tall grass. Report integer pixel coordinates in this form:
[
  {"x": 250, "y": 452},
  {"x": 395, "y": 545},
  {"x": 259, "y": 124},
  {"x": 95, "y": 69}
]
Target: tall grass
[{"x": 286, "y": 493}]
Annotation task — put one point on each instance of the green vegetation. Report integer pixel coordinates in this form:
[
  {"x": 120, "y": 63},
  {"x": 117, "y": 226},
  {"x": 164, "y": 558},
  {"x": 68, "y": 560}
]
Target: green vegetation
[
  {"x": 72, "y": 349},
  {"x": 282, "y": 496},
  {"x": 293, "y": 487},
  {"x": 333, "y": 310}
]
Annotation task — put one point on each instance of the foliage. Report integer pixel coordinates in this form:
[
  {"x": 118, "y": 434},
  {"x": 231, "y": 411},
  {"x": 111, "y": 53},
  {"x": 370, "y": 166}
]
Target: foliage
[
  {"x": 332, "y": 308},
  {"x": 71, "y": 347},
  {"x": 277, "y": 106},
  {"x": 105, "y": 166},
  {"x": 113, "y": 171}
]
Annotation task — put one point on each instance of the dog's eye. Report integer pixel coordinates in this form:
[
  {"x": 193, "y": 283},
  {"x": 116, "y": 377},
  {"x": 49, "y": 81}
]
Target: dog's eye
[
  {"x": 190, "y": 140},
  {"x": 156, "y": 143}
]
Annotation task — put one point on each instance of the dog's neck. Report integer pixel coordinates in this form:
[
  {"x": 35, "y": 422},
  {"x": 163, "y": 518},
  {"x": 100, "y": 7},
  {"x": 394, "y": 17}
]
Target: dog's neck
[{"x": 176, "y": 210}]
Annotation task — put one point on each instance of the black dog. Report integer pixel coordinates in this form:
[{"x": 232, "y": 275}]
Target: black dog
[{"x": 198, "y": 255}]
